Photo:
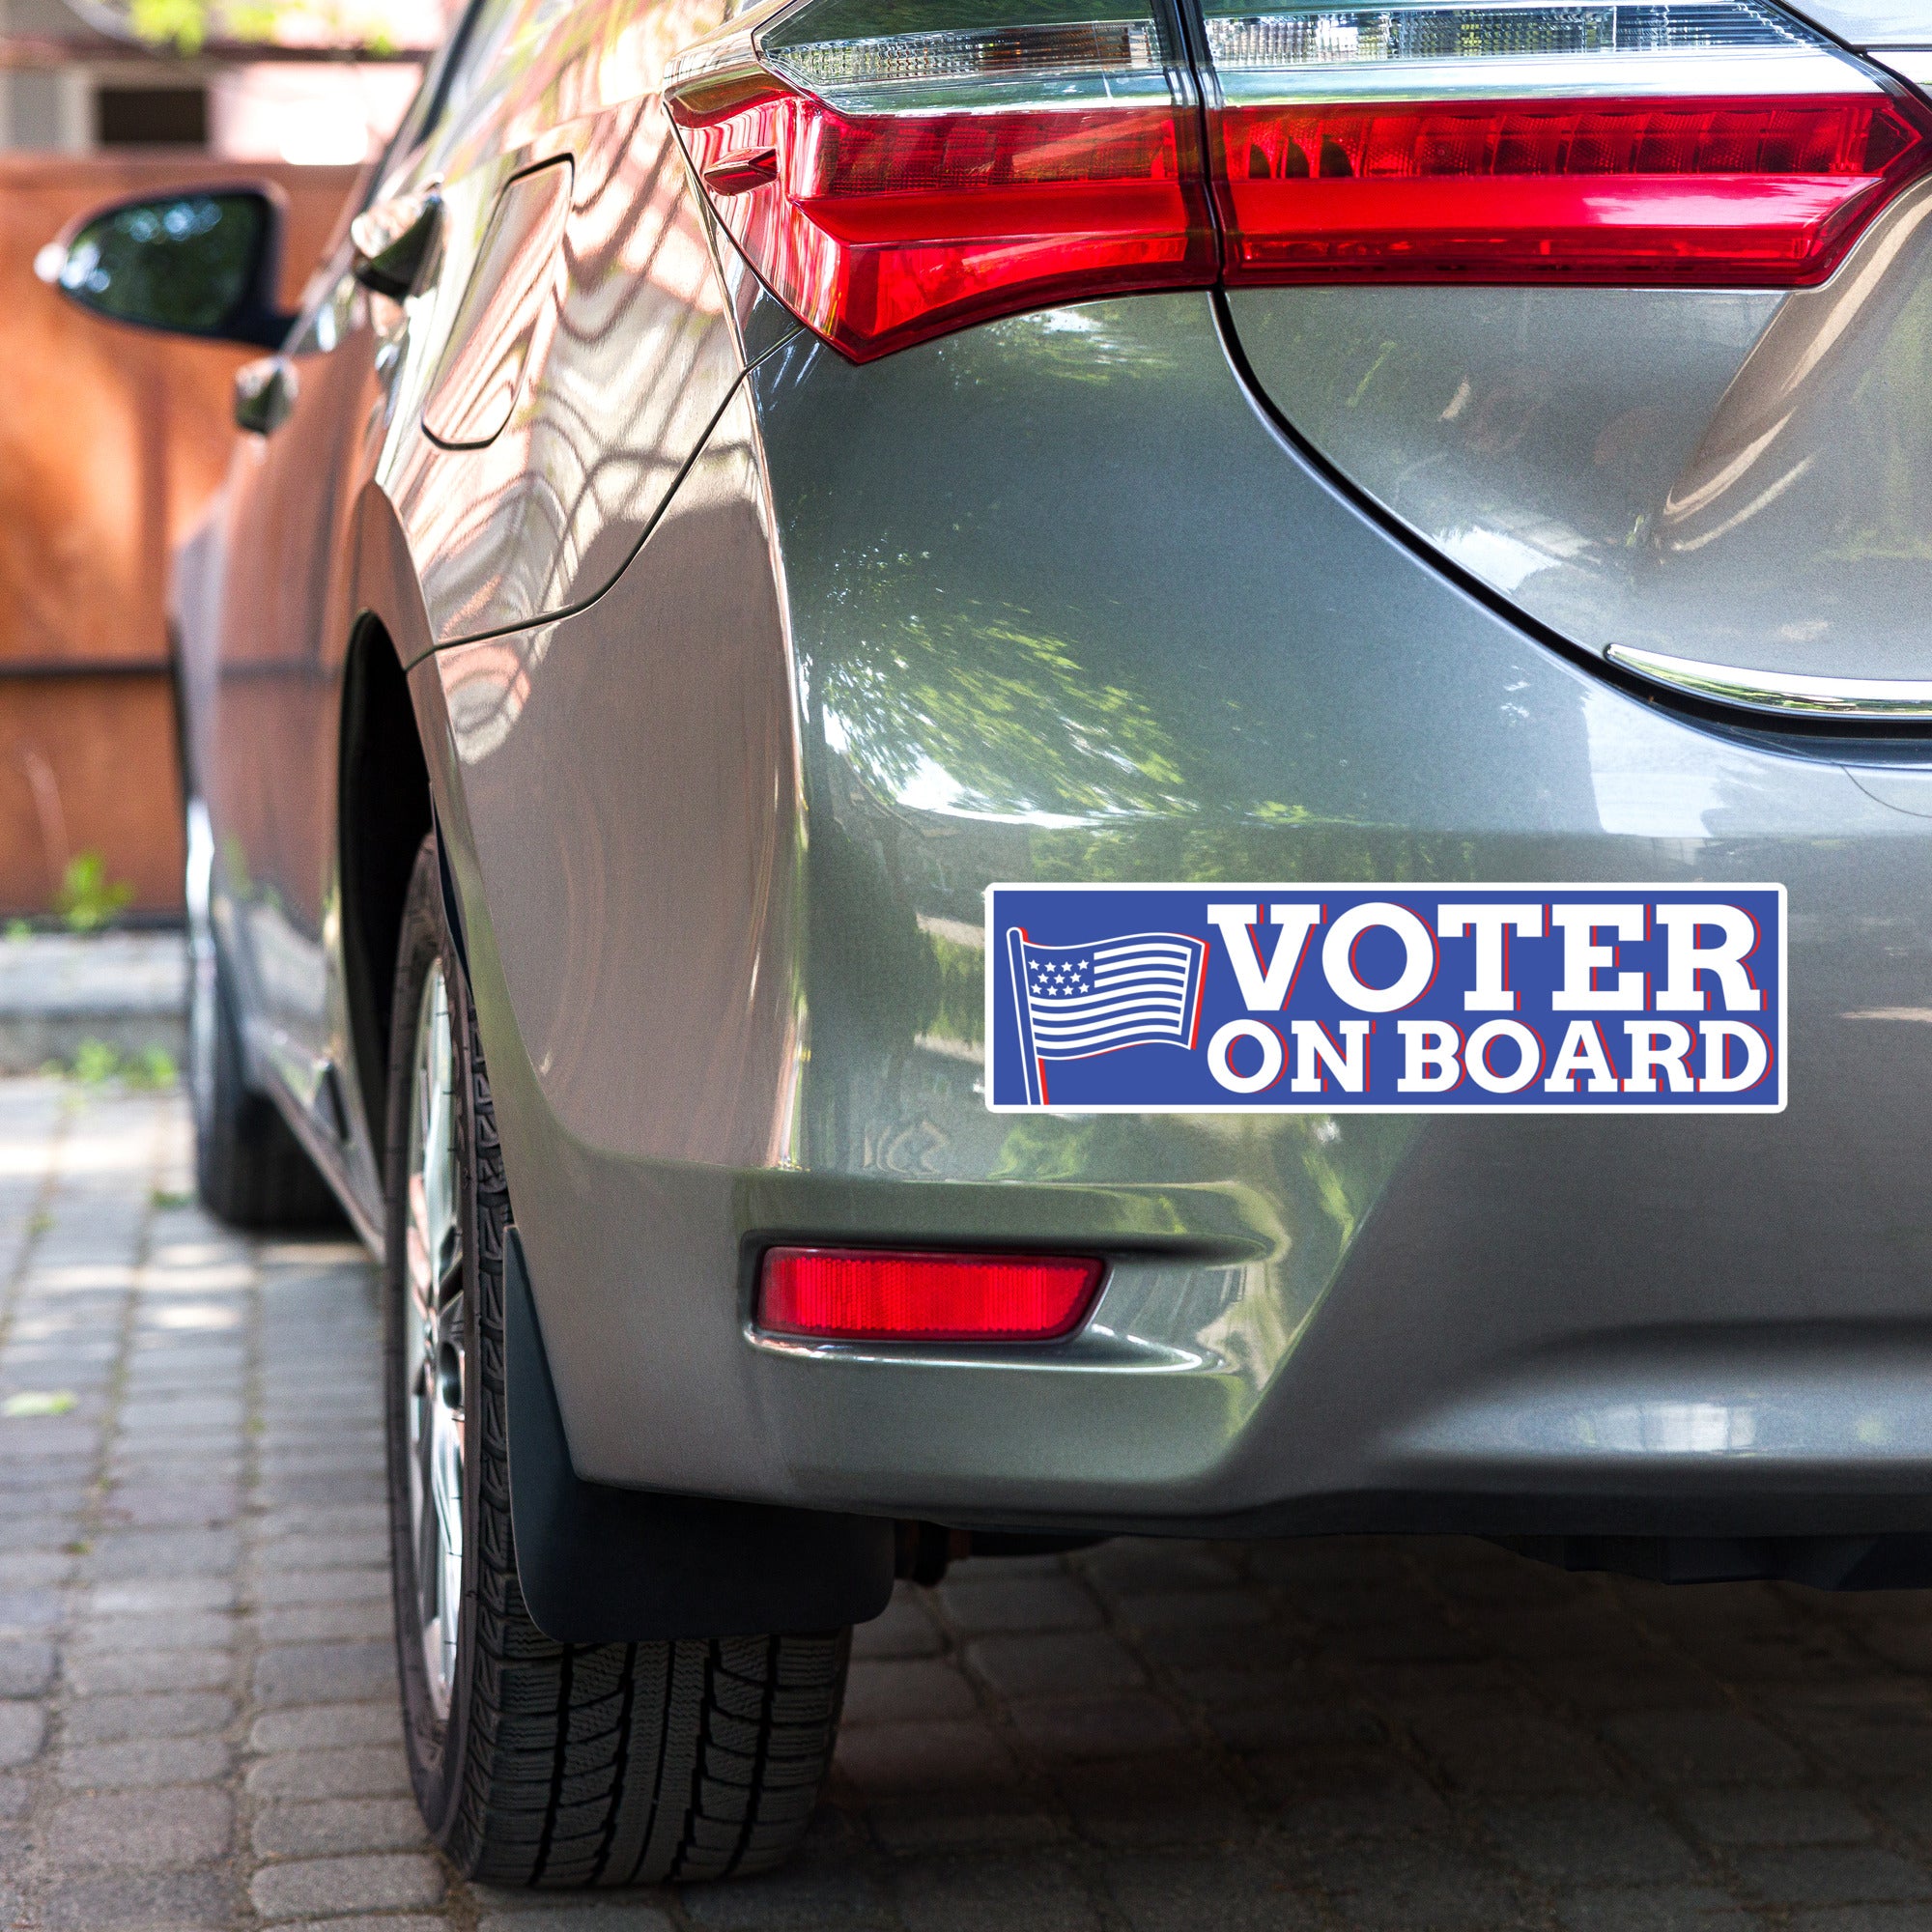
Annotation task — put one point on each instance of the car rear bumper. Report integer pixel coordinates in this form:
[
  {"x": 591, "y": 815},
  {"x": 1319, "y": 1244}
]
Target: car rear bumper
[
  {"x": 720, "y": 840},
  {"x": 1650, "y": 1335}
]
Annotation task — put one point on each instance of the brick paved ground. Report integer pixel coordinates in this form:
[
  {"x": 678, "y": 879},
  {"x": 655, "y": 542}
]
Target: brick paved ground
[{"x": 197, "y": 1722}]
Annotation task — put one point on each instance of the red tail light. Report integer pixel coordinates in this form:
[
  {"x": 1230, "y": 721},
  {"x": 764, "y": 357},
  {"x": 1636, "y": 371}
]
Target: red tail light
[
  {"x": 879, "y": 230},
  {"x": 1716, "y": 191},
  {"x": 891, "y": 185},
  {"x": 860, "y": 1296}
]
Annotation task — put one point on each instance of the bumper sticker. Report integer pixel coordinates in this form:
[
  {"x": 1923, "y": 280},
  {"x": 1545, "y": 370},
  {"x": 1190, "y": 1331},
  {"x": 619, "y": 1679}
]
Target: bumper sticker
[{"x": 1385, "y": 999}]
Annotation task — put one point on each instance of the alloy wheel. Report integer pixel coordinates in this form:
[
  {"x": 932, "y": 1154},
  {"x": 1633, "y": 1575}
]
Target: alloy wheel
[{"x": 433, "y": 1359}]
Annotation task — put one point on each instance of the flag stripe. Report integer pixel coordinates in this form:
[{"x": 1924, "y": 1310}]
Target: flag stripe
[
  {"x": 1114, "y": 949},
  {"x": 1139, "y": 990},
  {"x": 1124, "y": 1034},
  {"x": 1076, "y": 1002},
  {"x": 1046, "y": 1028}
]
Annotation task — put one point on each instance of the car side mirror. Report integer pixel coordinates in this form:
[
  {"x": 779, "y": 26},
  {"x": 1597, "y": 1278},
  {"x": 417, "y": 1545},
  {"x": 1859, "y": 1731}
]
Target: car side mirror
[
  {"x": 200, "y": 262},
  {"x": 264, "y": 392}
]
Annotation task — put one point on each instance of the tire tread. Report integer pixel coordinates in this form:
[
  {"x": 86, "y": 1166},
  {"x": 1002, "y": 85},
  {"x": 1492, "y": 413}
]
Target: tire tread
[{"x": 609, "y": 1764}]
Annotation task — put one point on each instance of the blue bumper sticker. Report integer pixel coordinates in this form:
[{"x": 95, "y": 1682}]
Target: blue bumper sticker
[{"x": 1385, "y": 999}]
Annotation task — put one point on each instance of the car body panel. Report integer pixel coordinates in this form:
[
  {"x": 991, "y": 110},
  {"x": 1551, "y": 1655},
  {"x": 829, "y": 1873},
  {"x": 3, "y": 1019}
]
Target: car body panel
[
  {"x": 740, "y": 671},
  {"x": 636, "y": 351},
  {"x": 275, "y": 641},
  {"x": 694, "y": 883},
  {"x": 1870, "y": 24},
  {"x": 1307, "y": 1322},
  {"x": 1726, "y": 476},
  {"x": 509, "y": 310},
  {"x": 308, "y": 541}
]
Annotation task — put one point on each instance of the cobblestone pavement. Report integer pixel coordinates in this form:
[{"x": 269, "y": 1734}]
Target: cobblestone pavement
[{"x": 198, "y": 1729}]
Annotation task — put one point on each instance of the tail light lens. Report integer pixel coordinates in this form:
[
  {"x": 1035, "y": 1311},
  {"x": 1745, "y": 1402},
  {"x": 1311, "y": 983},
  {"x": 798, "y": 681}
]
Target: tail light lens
[
  {"x": 1715, "y": 143},
  {"x": 892, "y": 187},
  {"x": 894, "y": 170},
  {"x": 859, "y": 1294}
]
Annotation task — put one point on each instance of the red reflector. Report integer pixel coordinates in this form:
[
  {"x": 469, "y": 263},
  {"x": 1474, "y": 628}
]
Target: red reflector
[
  {"x": 881, "y": 230},
  {"x": 1713, "y": 192},
  {"x": 857, "y": 1295}
]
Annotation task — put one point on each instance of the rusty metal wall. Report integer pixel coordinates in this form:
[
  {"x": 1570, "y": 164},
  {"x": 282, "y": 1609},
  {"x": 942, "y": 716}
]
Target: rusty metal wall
[{"x": 110, "y": 442}]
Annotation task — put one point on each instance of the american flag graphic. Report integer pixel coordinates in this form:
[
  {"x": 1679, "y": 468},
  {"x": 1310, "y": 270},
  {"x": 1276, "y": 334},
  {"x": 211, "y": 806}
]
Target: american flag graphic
[{"x": 1139, "y": 990}]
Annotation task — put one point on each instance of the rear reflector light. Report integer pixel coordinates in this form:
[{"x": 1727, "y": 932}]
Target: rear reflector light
[
  {"x": 890, "y": 186},
  {"x": 861, "y": 1295}
]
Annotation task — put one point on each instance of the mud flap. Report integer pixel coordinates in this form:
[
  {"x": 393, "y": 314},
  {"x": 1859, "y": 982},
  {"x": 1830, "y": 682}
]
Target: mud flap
[{"x": 606, "y": 1565}]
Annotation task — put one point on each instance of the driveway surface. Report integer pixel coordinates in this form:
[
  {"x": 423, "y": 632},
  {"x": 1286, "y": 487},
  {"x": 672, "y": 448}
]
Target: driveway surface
[{"x": 197, "y": 1715}]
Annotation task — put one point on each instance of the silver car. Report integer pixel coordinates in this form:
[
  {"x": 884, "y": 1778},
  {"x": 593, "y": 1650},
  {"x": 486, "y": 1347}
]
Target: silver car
[{"x": 952, "y": 758}]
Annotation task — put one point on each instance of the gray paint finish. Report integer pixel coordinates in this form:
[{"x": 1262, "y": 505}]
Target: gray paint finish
[
  {"x": 1870, "y": 24},
  {"x": 1730, "y": 477},
  {"x": 631, "y": 776},
  {"x": 1532, "y": 434},
  {"x": 632, "y": 348},
  {"x": 1125, "y": 631},
  {"x": 725, "y": 746}
]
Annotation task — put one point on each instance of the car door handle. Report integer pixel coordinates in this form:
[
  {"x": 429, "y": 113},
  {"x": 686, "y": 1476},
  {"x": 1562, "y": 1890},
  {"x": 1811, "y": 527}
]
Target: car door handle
[{"x": 393, "y": 242}]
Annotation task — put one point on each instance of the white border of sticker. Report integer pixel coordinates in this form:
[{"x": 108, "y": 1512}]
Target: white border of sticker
[{"x": 1438, "y": 889}]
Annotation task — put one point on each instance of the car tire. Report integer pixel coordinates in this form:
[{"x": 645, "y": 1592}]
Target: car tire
[
  {"x": 538, "y": 1763},
  {"x": 249, "y": 1169}
]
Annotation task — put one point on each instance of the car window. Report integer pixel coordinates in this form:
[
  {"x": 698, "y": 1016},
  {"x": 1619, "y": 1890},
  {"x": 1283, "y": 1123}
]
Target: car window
[
  {"x": 450, "y": 85},
  {"x": 507, "y": 49},
  {"x": 448, "y": 80},
  {"x": 325, "y": 316},
  {"x": 538, "y": 64}
]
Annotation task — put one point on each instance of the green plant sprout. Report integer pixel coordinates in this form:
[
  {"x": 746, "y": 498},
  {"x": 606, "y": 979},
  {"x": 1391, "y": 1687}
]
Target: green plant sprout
[
  {"x": 153, "y": 1066},
  {"x": 95, "y": 1062},
  {"x": 38, "y": 1401},
  {"x": 88, "y": 898},
  {"x": 186, "y": 25}
]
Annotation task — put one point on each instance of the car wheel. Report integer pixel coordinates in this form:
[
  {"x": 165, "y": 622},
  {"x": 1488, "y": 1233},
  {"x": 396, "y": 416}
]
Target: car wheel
[
  {"x": 249, "y": 1169},
  {"x": 534, "y": 1762}
]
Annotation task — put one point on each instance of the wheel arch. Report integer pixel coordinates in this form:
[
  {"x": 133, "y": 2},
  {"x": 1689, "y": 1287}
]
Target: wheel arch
[{"x": 384, "y": 803}]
